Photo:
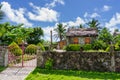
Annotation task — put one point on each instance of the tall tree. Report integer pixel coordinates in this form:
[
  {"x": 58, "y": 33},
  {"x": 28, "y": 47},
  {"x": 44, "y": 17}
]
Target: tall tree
[
  {"x": 105, "y": 36},
  {"x": 81, "y": 26},
  {"x": 93, "y": 24},
  {"x": 35, "y": 36},
  {"x": 60, "y": 31}
]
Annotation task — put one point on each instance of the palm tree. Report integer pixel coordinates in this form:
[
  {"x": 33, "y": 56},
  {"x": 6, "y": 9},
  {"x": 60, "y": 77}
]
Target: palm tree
[
  {"x": 60, "y": 30},
  {"x": 93, "y": 24},
  {"x": 81, "y": 26}
]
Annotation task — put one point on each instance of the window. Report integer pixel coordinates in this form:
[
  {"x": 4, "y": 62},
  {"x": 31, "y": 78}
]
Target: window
[
  {"x": 87, "y": 40},
  {"x": 75, "y": 40}
]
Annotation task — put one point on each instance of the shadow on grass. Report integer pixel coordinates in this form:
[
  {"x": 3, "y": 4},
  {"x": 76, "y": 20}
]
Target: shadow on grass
[
  {"x": 82, "y": 74},
  {"x": 2, "y": 68}
]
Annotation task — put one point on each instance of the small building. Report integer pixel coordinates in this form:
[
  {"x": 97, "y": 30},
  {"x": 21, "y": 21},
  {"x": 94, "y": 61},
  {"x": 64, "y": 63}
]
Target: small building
[{"x": 81, "y": 35}]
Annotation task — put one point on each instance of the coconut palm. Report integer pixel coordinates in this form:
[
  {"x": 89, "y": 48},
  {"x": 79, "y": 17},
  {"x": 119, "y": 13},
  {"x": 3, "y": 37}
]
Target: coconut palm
[
  {"x": 60, "y": 31},
  {"x": 93, "y": 24}
]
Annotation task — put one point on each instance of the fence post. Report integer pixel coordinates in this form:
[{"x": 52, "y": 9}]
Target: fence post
[{"x": 112, "y": 53}]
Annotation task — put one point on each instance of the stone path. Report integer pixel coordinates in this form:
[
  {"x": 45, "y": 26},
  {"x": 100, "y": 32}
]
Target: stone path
[{"x": 17, "y": 73}]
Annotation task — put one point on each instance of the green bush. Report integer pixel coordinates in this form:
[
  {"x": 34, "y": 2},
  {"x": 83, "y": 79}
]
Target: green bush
[
  {"x": 73, "y": 47},
  {"x": 117, "y": 47},
  {"x": 87, "y": 47},
  {"x": 46, "y": 48},
  {"x": 99, "y": 44},
  {"x": 41, "y": 46},
  {"x": 15, "y": 49},
  {"x": 108, "y": 49},
  {"x": 49, "y": 64},
  {"x": 31, "y": 49}
]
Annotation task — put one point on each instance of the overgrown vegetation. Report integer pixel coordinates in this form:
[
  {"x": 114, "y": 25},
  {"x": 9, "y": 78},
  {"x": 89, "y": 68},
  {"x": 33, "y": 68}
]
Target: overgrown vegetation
[
  {"x": 49, "y": 64},
  {"x": 46, "y": 74},
  {"x": 15, "y": 49},
  {"x": 31, "y": 49}
]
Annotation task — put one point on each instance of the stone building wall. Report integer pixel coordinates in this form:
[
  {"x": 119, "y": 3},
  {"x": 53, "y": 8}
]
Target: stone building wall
[{"x": 95, "y": 61}]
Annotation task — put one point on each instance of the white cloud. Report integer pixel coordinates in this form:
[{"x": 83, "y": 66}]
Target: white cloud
[
  {"x": 54, "y": 2},
  {"x": 43, "y": 14},
  {"x": 93, "y": 15},
  {"x": 114, "y": 21},
  {"x": 15, "y": 15},
  {"x": 76, "y": 23},
  {"x": 106, "y": 8}
]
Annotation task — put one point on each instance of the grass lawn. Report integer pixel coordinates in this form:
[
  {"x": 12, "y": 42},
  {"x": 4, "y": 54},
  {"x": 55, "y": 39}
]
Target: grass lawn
[
  {"x": 2, "y": 68},
  {"x": 44, "y": 74}
]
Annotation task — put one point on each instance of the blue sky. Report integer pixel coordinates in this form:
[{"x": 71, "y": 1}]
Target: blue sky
[{"x": 48, "y": 13}]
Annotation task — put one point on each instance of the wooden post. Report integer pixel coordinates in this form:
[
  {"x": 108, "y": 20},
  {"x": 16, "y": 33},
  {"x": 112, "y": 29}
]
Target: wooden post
[{"x": 51, "y": 38}]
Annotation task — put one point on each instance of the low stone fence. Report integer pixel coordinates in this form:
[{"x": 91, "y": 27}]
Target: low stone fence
[
  {"x": 95, "y": 61},
  {"x": 3, "y": 56}
]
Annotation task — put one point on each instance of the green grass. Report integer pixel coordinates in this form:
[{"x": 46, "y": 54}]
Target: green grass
[
  {"x": 44, "y": 74},
  {"x": 2, "y": 68}
]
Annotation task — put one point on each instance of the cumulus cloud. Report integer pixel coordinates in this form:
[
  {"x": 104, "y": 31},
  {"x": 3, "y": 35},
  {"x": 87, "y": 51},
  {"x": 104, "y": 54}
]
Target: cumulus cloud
[
  {"x": 43, "y": 14},
  {"x": 106, "y": 8},
  {"x": 54, "y": 2},
  {"x": 93, "y": 15},
  {"x": 15, "y": 15},
  {"x": 114, "y": 21}
]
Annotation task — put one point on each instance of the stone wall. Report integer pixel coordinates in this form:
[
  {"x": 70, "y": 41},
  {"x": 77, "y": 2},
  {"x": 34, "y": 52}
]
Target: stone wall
[
  {"x": 3, "y": 56},
  {"x": 95, "y": 61},
  {"x": 117, "y": 61}
]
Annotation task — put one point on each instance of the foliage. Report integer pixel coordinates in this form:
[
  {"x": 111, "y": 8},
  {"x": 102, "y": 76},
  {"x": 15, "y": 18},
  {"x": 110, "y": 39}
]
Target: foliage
[
  {"x": 46, "y": 48},
  {"x": 99, "y": 44},
  {"x": 108, "y": 49},
  {"x": 60, "y": 30},
  {"x": 2, "y": 68},
  {"x": 105, "y": 36},
  {"x": 73, "y": 47},
  {"x": 87, "y": 47},
  {"x": 117, "y": 46},
  {"x": 49, "y": 64},
  {"x": 15, "y": 49},
  {"x": 31, "y": 49},
  {"x": 41, "y": 46},
  {"x": 35, "y": 36},
  {"x": 45, "y": 74}
]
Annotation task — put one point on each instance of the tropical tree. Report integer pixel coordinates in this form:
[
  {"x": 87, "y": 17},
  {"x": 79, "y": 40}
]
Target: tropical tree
[
  {"x": 35, "y": 36},
  {"x": 105, "y": 36},
  {"x": 60, "y": 31},
  {"x": 81, "y": 26},
  {"x": 93, "y": 23}
]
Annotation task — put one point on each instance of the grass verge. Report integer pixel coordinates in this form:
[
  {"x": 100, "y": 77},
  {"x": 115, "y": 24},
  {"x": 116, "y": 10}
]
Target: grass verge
[{"x": 44, "y": 74}]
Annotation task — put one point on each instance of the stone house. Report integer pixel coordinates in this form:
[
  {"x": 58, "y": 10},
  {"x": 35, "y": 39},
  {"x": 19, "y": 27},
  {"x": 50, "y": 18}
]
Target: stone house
[{"x": 81, "y": 35}]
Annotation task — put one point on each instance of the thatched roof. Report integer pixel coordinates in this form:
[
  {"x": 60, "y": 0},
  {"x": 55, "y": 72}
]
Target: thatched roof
[{"x": 82, "y": 32}]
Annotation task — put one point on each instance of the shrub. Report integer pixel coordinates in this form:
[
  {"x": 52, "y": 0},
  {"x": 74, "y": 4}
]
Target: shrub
[
  {"x": 46, "y": 48},
  {"x": 15, "y": 49},
  {"x": 117, "y": 47},
  {"x": 108, "y": 49},
  {"x": 87, "y": 47},
  {"x": 31, "y": 49},
  {"x": 49, "y": 64},
  {"x": 99, "y": 44},
  {"x": 73, "y": 47},
  {"x": 41, "y": 46}
]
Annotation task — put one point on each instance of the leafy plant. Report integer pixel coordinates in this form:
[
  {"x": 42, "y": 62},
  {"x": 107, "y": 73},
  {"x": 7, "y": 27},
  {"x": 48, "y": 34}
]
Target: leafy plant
[
  {"x": 73, "y": 47},
  {"x": 49, "y": 64},
  {"x": 31, "y": 49},
  {"x": 99, "y": 44},
  {"x": 87, "y": 47},
  {"x": 117, "y": 46},
  {"x": 15, "y": 49},
  {"x": 41, "y": 46}
]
